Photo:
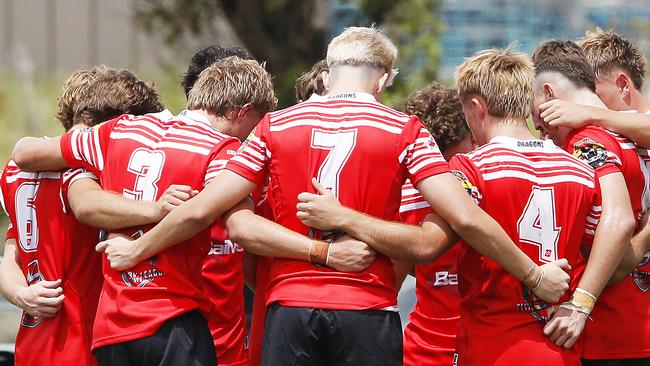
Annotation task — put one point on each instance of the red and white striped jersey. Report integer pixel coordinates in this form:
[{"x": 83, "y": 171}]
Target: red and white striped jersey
[
  {"x": 621, "y": 326},
  {"x": 363, "y": 151},
  {"x": 139, "y": 157},
  {"x": 430, "y": 336},
  {"x": 53, "y": 245},
  {"x": 542, "y": 197}
]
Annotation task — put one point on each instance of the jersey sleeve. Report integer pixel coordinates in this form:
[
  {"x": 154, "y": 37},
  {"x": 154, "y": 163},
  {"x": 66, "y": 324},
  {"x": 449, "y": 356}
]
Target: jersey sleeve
[
  {"x": 413, "y": 207},
  {"x": 421, "y": 157},
  {"x": 86, "y": 148},
  {"x": 220, "y": 159},
  {"x": 11, "y": 232},
  {"x": 593, "y": 216},
  {"x": 598, "y": 150},
  {"x": 70, "y": 177},
  {"x": 253, "y": 159},
  {"x": 4, "y": 194},
  {"x": 463, "y": 169}
]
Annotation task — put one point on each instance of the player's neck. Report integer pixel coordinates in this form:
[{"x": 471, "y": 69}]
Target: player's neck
[
  {"x": 508, "y": 127},
  {"x": 638, "y": 102},
  {"x": 219, "y": 122},
  {"x": 586, "y": 97}
]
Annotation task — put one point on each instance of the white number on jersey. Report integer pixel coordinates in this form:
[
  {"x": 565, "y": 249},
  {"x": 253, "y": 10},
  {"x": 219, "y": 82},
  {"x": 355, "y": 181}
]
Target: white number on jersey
[
  {"x": 147, "y": 166},
  {"x": 340, "y": 144},
  {"x": 26, "y": 222},
  {"x": 537, "y": 224}
]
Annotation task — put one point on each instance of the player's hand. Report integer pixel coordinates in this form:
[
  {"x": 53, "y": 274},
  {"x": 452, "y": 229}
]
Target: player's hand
[
  {"x": 120, "y": 251},
  {"x": 173, "y": 197},
  {"x": 565, "y": 327},
  {"x": 321, "y": 211},
  {"x": 350, "y": 255},
  {"x": 558, "y": 112},
  {"x": 42, "y": 299},
  {"x": 555, "y": 281}
]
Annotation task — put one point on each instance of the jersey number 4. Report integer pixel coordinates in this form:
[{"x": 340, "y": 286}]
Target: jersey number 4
[
  {"x": 537, "y": 224},
  {"x": 340, "y": 144}
]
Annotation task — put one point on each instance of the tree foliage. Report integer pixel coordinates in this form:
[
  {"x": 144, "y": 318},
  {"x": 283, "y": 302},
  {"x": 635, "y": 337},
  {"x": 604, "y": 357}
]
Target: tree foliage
[{"x": 290, "y": 35}]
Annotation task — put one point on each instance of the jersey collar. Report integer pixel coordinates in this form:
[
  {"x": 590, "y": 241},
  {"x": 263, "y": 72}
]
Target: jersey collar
[
  {"x": 193, "y": 116},
  {"x": 359, "y": 96},
  {"x": 511, "y": 141}
]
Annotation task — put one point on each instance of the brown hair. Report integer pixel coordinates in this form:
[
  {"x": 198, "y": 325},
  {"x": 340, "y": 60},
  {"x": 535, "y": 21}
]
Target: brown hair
[
  {"x": 230, "y": 84},
  {"x": 440, "y": 110},
  {"x": 115, "y": 93},
  {"x": 567, "y": 59},
  {"x": 311, "y": 82},
  {"x": 503, "y": 78},
  {"x": 74, "y": 89},
  {"x": 607, "y": 51}
]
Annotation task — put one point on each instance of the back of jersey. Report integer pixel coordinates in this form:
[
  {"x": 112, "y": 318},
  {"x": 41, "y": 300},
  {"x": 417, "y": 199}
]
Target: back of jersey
[
  {"x": 542, "y": 197},
  {"x": 360, "y": 149},
  {"x": 139, "y": 157},
  {"x": 52, "y": 245}
]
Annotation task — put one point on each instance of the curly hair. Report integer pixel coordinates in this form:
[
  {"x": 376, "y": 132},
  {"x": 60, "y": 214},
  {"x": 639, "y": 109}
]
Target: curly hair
[
  {"x": 206, "y": 57},
  {"x": 311, "y": 82},
  {"x": 440, "y": 110},
  {"x": 74, "y": 89},
  {"x": 115, "y": 93}
]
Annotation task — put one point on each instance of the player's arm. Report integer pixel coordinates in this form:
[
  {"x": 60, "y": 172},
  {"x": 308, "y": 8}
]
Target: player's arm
[
  {"x": 250, "y": 270},
  {"x": 402, "y": 269},
  {"x": 182, "y": 223},
  {"x": 263, "y": 237},
  {"x": 455, "y": 213},
  {"x": 635, "y": 126},
  {"x": 639, "y": 246},
  {"x": 107, "y": 210},
  {"x": 42, "y": 299},
  {"x": 611, "y": 240},
  {"x": 33, "y": 154}
]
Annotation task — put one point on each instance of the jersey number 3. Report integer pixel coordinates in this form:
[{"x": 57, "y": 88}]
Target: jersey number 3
[
  {"x": 147, "y": 166},
  {"x": 340, "y": 143},
  {"x": 537, "y": 224}
]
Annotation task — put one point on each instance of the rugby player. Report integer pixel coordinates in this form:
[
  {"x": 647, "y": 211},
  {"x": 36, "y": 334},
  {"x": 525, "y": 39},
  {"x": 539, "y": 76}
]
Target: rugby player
[
  {"x": 430, "y": 336},
  {"x": 620, "y": 330},
  {"x": 223, "y": 268},
  {"x": 311, "y": 82},
  {"x": 50, "y": 270},
  {"x": 319, "y": 315},
  {"x": 543, "y": 207}
]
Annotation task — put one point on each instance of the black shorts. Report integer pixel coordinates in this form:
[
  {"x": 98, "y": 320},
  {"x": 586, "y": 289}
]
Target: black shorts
[
  {"x": 625, "y": 362},
  {"x": 182, "y": 341},
  {"x": 318, "y": 337}
]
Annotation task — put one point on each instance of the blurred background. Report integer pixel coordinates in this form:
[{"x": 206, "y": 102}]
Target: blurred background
[{"x": 43, "y": 41}]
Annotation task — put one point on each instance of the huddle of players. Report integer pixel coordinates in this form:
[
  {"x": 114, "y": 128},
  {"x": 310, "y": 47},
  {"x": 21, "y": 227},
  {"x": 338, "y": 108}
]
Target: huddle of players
[{"x": 323, "y": 297}]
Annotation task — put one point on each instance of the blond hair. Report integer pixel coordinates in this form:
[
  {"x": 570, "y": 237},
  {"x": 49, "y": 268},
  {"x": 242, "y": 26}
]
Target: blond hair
[
  {"x": 231, "y": 83},
  {"x": 75, "y": 88},
  {"x": 362, "y": 46},
  {"x": 503, "y": 78},
  {"x": 607, "y": 51}
]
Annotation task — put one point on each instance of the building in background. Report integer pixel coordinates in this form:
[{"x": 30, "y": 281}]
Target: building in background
[{"x": 473, "y": 25}]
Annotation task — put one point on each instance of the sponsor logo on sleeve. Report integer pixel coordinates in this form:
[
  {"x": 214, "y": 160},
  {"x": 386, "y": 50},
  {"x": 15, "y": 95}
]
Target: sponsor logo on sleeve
[{"x": 471, "y": 190}]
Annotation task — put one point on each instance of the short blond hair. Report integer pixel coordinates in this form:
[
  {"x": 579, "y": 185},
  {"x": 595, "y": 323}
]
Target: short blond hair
[
  {"x": 74, "y": 89},
  {"x": 362, "y": 46},
  {"x": 607, "y": 51},
  {"x": 231, "y": 83},
  {"x": 504, "y": 78}
]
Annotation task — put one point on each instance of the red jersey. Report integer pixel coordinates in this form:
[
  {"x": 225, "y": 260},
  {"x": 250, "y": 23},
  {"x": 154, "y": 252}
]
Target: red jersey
[
  {"x": 621, "y": 318},
  {"x": 363, "y": 151},
  {"x": 53, "y": 245},
  {"x": 223, "y": 282},
  {"x": 542, "y": 197},
  {"x": 140, "y": 157},
  {"x": 430, "y": 336}
]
